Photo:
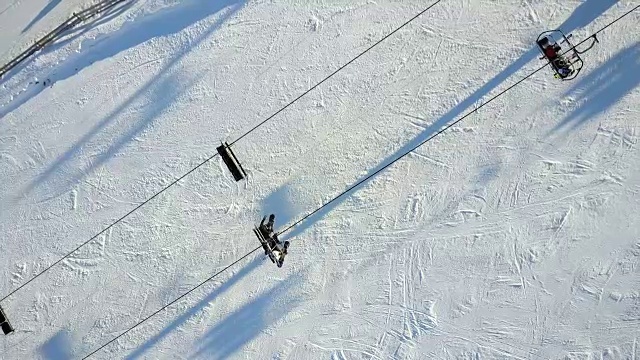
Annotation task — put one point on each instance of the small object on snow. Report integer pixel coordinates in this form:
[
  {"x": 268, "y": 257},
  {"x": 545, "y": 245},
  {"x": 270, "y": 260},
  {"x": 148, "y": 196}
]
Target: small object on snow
[
  {"x": 566, "y": 67},
  {"x": 4, "y": 323},
  {"x": 231, "y": 161},
  {"x": 273, "y": 247}
]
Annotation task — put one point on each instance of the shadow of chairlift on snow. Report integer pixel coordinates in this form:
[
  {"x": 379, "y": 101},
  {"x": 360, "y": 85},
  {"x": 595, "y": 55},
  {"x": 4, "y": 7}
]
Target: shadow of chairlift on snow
[
  {"x": 58, "y": 347},
  {"x": 585, "y": 13},
  {"x": 280, "y": 202},
  {"x": 602, "y": 88},
  {"x": 196, "y": 309},
  {"x": 231, "y": 334}
]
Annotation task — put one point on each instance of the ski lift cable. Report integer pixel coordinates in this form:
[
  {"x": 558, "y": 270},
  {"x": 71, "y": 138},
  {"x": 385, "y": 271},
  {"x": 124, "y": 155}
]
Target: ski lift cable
[
  {"x": 609, "y": 24},
  {"x": 338, "y": 70},
  {"x": 216, "y": 154},
  {"x": 450, "y": 125},
  {"x": 108, "y": 227},
  {"x": 351, "y": 188},
  {"x": 172, "y": 302}
]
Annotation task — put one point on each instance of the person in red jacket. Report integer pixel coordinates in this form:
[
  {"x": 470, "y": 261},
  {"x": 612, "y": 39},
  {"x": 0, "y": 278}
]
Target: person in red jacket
[{"x": 551, "y": 51}]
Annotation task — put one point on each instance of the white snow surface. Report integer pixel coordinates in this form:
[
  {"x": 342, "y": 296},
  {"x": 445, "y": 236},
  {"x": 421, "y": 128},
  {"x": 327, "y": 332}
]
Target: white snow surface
[{"x": 513, "y": 235}]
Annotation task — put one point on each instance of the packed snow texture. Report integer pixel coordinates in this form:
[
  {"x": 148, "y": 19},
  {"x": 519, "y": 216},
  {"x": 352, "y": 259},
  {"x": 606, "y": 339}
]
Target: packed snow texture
[{"x": 513, "y": 235}]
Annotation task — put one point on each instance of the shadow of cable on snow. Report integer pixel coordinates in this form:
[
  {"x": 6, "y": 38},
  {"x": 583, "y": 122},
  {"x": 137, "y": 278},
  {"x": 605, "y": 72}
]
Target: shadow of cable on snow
[
  {"x": 166, "y": 90},
  {"x": 165, "y": 22},
  {"x": 50, "y": 6},
  {"x": 445, "y": 119},
  {"x": 236, "y": 330},
  {"x": 58, "y": 347},
  {"x": 601, "y": 89},
  {"x": 68, "y": 170},
  {"x": 182, "y": 319},
  {"x": 584, "y": 14}
]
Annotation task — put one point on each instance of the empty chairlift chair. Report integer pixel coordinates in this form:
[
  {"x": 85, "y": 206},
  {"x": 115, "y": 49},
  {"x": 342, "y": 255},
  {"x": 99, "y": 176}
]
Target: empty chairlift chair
[
  {"x": 4, "y": 323},
  {"x": 231, "y": 161}
]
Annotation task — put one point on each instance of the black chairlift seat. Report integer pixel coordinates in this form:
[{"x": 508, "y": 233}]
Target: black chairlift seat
[
  {"x": 6, "y": 328},
  {"x": 571, "y": 59},
  {"x": 4, "y": 323},
  {"x": 231, "y": 161}
]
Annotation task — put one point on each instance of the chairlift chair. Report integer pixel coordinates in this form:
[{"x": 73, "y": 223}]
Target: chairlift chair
[
  {"x": 569, "y": 59},
  {"x": 4, "y": 323},
  {"x": 231, "y": 161}
]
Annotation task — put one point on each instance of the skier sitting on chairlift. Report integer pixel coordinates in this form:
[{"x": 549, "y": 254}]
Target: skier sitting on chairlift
[
  {"x": 273, "y": 244},
  {"x": 551, "y": 51}
]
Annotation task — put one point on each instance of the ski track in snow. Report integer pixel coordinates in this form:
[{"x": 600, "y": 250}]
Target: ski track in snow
[{"x": 512, "y": 235}]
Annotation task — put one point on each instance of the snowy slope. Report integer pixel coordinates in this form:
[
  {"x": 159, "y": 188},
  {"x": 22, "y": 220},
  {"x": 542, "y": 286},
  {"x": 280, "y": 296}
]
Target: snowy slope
[{"x": 512, "y": 235}]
